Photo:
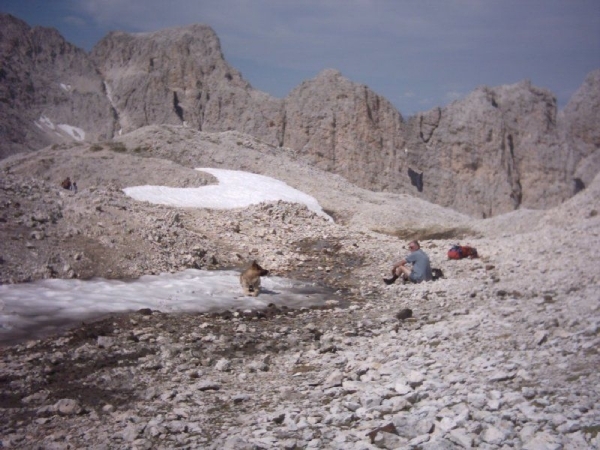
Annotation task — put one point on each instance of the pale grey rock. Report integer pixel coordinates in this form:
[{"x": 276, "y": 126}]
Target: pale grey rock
[
  {"x": 68, "y": 407},
  {"x": 237, "y": 443},
  {"x": 207, "y": 386},
  {"x": 341, "y": 419},
  {"x": 179, "y": 76},
  {"x": 543, "y": 441},
  {"x": 579, "y": 121},
  {"x": 461, "y": 437},
  {"x": 370, "y": 401},
  {"x": 105, "y": 341},
  {"x": 493, "y": 435},
  {"x": 439, "y": 444},
  {"x": 339, "y": 125},
  {"x": 258, "y": 366},
  {"x": 397, "y": 404},
  {"x": 569, "y": 426},
  {"x": 477, "y": 400},
  {"x": 501, "y": 376},
  {"x": 402, "y": 388},
  {"x": 411, "y": 427},
  {"x": 335, "y": 378},
  {"x": 528, "y": 431},
  {"x": 388, "y": 440},
  {"x": 487, "y": 136},
  {"x": 223, "y": 365},
  {"x": 415, "y": 379}
]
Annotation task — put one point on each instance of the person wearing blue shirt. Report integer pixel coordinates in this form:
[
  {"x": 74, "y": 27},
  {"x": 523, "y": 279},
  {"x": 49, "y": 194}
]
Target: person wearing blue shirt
[{"x": 415, "y": 267}]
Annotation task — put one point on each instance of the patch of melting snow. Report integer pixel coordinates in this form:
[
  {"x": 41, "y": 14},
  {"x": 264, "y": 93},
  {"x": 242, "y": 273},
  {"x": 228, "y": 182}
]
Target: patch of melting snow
[
  {"x": 236, "y": 189},
  {"x": 43, "y": 121},
  {"x": 30, "y": 310},
  {"x": 76, "y": 133}
]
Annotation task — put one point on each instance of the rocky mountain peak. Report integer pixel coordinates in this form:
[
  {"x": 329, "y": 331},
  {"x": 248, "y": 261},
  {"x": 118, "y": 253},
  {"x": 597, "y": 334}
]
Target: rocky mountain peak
[
  {"x": 178, "y": 76},
  {"x": 341, "y": 125},
  {"x": 498, "y": 149}
]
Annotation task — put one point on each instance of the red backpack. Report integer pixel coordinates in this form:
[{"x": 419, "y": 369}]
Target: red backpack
[{"x": 462, "y": 251}]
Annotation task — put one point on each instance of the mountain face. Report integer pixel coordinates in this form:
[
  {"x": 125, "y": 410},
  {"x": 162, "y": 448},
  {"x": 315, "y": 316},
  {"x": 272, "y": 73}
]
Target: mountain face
[
  {"x": 496, "y": 150},
  {"x": 179, "y": 76},
  {"x": 50, "y": 90},
  {"x": 346, "y": 128}
]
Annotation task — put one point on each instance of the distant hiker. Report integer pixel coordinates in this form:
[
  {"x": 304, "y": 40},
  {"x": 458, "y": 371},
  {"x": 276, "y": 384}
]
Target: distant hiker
[
  {"x": 419, "y": 269},
  {"x": 66, "y": 183},
  {"x": 74, "y": 187}
]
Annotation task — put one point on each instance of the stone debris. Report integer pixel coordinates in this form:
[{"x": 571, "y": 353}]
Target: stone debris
[{"x": 502, "y": 353}]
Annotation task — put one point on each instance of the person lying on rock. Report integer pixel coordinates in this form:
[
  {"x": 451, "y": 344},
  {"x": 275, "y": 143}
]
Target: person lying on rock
[{"x": 415, "y": 267}]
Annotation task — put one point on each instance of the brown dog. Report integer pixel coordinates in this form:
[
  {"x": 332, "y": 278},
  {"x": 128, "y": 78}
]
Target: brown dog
[{"x": 250, "y": 279}]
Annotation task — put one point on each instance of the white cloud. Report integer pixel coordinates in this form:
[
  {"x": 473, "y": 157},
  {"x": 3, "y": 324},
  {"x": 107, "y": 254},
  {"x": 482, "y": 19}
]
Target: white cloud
[{"x": 73, "y": 20}]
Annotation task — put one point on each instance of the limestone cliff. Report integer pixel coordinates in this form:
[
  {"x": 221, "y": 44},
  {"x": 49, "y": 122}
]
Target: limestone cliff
[
  {"x": 580, "y": 129},
  {"x": 348, "y": 129},
  {"x": 494, "y": 151},
  {"x": 179, "y": 76}
]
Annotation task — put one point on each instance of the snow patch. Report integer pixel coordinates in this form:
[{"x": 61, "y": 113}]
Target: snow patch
[
  {"x": 76, "y": 133},
  {"x": 27, "y": 309},
  {"x": 109, "y": 94},
  {"x": 236, "y": 189},
  {"x": 44, "y": 122}
]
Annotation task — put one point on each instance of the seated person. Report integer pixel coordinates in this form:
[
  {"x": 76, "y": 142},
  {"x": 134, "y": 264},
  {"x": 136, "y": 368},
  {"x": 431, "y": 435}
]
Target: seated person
[{"x": 415, "y": 267}]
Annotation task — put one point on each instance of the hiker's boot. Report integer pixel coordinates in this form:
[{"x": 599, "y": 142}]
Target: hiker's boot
[{"x": 389, "y": 281}]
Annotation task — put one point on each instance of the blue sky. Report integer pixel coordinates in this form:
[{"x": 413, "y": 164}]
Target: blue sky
[{"x": 416, "y": 53}]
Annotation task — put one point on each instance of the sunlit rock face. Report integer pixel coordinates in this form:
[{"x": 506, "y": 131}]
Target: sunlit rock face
[
  {"x": 494, "y": 151},
  {"x": 179, "y": 76}
]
